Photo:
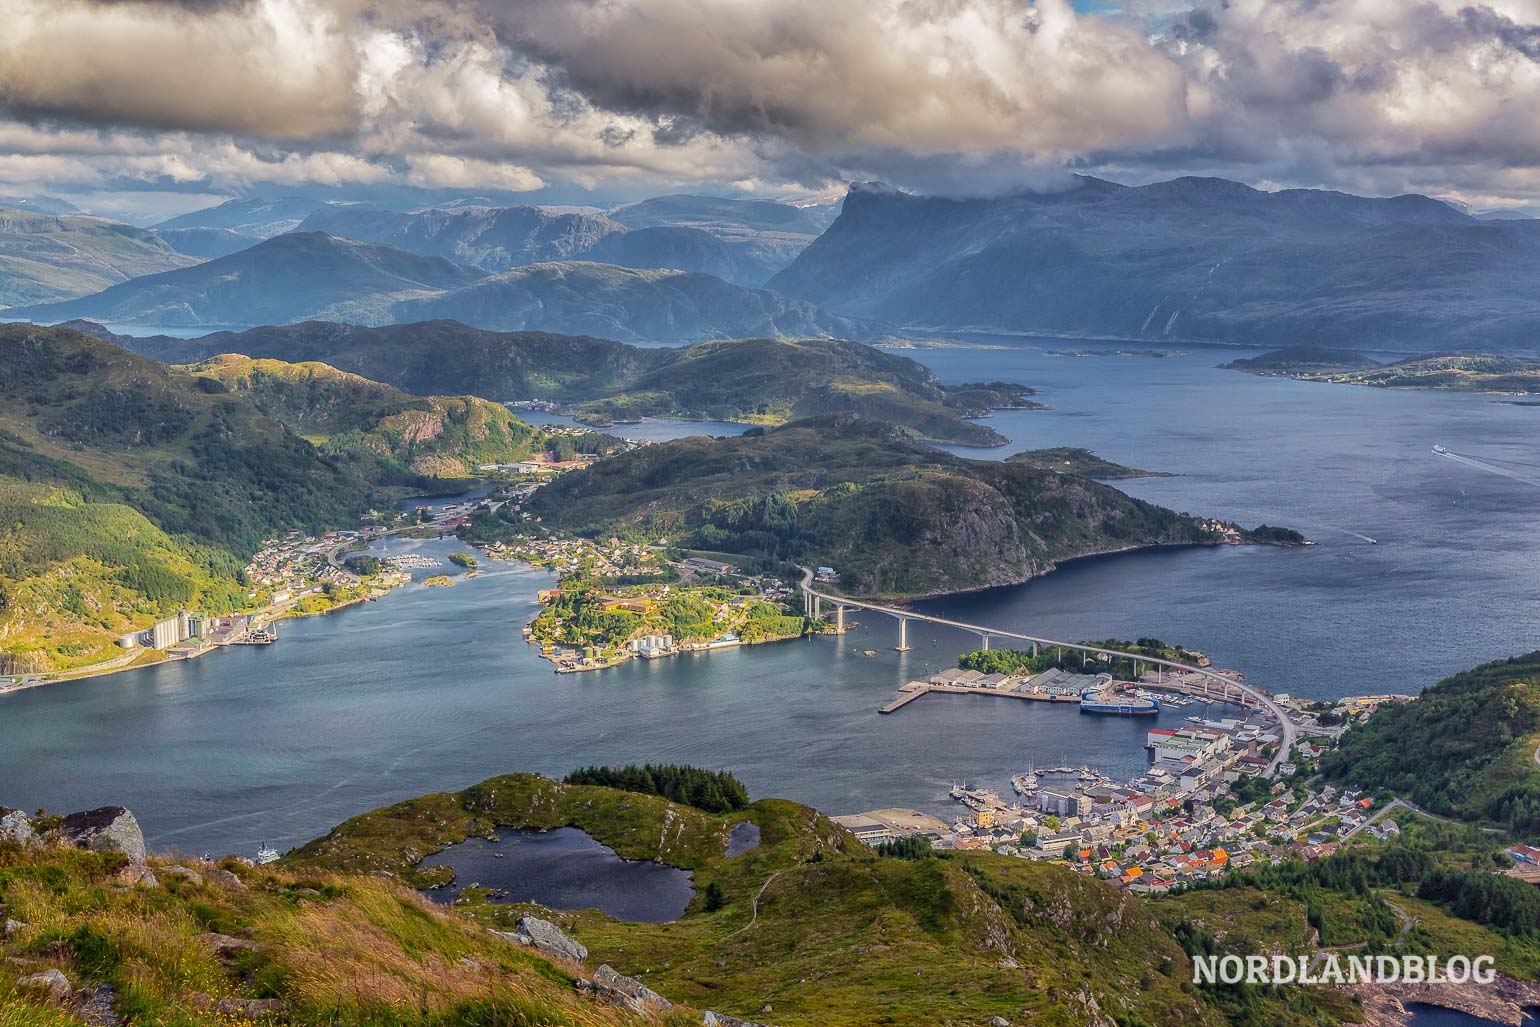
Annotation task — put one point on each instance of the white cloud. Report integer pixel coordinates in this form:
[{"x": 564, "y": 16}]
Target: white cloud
[{"x": 638, "y": 95}]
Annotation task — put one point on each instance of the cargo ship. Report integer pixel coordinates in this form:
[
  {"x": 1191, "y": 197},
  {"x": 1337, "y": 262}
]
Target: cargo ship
[{"x": 1119, "y": 704}]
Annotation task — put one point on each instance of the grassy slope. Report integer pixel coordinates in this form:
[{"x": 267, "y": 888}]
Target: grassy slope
[
  {"x": 1466, "y": 747},
  {"x": 892, "y": 516},
  {"x": 352, "y": 950},
  {"x": 770, "y": 381},
  {"x": 816, "y": 925},
  {"x": 438, "y": 435},
  {"x": 45, "y": 258},
  {"x": 761, "y": 380},
  {"x": 130, "y": 490}
]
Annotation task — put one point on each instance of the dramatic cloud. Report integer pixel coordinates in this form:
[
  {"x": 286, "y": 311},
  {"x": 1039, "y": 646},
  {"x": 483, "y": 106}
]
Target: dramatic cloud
[{"x": 621, "y": 97}]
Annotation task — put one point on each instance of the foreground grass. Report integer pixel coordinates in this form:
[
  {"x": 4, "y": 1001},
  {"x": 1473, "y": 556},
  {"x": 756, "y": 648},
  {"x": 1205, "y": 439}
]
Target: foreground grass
[{"x": 330, "y": 949}]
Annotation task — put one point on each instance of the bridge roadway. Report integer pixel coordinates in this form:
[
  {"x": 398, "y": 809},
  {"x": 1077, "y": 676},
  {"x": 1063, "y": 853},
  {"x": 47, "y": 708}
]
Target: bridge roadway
[{"x": 813, "y": 598}]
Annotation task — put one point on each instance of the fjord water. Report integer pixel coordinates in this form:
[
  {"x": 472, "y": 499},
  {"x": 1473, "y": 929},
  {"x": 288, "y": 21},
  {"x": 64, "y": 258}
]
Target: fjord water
[{"x": 432, "y": 689}]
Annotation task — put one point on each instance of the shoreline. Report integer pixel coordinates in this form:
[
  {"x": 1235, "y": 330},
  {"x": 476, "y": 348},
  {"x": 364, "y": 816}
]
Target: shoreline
[{"x": 97, "y": 671}]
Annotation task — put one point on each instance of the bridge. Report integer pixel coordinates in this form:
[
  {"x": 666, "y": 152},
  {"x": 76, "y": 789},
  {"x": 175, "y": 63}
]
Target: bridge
[{"x": 1214, "y": 685}]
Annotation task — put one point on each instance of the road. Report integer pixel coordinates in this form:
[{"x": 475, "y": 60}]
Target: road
[{"x": 1287, "y": 729}]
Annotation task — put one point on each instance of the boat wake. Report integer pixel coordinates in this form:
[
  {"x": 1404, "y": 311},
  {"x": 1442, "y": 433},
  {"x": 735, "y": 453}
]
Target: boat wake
[{"x": 1482, "y": 465}]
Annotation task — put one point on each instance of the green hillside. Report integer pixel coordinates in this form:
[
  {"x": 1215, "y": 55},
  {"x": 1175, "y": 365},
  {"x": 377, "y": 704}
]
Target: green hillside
[
  {"x": 44, "y": 257},
  {"x": 815, "y": 925},
  {"x": 894, "y": 517},
  {"x": 1074, "y": 460},
  {"x": 766, "y": 381},
  {"x": 771, "y": 381},
  {"x": 237, "y": 944},
  {"x": 129, "y": 489},
  {"x": 442, "y": 436},
  {"x": 1466, "y": 747}
]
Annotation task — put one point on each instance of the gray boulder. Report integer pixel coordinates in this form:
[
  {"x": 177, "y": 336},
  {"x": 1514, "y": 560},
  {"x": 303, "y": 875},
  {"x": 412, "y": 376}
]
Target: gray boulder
[
  {"x": 13, "y": 926},
  {"x": 225, "y": 879},
  {"x": 225, "y": 943},
  {"x": 16, "y": 826},
  {"x": 723, "y": 1020},
  {"x": 633, "y": 988},
  {"x": 50, "y": 984},
  {"x": 185, "y": 873},
  {"x": 107, "y": 829},
  {"x": 999, "y": 1021},
  {"x": 548, "y": 938},
  {"x": 137, "y": 875}
]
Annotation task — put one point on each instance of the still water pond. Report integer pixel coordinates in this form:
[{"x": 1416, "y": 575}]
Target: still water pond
[{"x": 564, "y": 869}]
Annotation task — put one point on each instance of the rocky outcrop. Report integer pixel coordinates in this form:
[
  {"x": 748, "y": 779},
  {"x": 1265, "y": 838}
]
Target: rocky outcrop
[
  {"x": 1503, "y": 1001},
  {"x": 106, "y": 829},
  {"x": 546, "y": 937},
  {"x": 222, "y": 943},
  {"x": 137, "y": 875},
  {"x": 16, "y": 826},
  {"x": 244, "y": 1008},
  {"x": 723, "y": 1020},
  {"x": 632, "y": 988},
  {"x": 50, "y": 984}
]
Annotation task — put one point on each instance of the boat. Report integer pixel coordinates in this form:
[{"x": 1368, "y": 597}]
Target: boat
[
  {"x": 1440, "y": 450},
  {"x": 1092, "y": 701},
  {"x": 1025, "y": 784},
  {"x": 266, "y": 854}
]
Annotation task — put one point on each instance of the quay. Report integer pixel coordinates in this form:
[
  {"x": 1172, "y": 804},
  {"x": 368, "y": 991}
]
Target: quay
[{"x": 1215, "y": 685}]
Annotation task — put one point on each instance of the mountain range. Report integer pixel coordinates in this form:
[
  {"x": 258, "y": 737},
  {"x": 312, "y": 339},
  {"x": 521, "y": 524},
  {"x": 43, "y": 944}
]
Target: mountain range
[
  {"x": 46, "y": 257},
  {"x": 1193, "y": 258},
  {"x": 310, "y": 275},
  {"x": 739, "y": 241},
  {"x": 765, "y": 381}
]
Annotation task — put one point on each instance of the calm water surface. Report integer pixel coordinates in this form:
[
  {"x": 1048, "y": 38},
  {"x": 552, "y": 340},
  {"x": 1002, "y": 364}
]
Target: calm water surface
[
  {"x": 565, "y": 869},
  {"x": 433, "y": 689}
]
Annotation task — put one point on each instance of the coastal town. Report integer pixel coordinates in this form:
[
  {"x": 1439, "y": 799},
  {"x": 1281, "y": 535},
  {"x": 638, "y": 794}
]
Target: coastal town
[{"x": 1204, "y": 806}]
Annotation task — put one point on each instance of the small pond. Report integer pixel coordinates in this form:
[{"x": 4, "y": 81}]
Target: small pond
[{"x": 564, "y": 869}]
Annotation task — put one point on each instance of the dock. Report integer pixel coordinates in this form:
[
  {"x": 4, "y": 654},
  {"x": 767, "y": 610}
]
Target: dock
[{"x": 913, "y": 690}]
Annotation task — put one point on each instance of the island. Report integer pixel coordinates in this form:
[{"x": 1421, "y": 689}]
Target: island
[
  {"x": 1451, "y": 372},
  {"x": 895, "y": 517},
  {"x": 1074, "y": 460}
]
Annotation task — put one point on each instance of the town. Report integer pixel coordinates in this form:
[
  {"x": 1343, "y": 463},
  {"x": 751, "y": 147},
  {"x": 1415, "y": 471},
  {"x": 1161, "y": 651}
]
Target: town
[{"x": 1204, "y": 806}]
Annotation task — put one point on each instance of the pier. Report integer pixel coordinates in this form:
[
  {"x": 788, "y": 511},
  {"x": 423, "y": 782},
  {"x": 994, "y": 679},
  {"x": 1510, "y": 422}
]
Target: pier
[{"x": 1200, "y": 682}]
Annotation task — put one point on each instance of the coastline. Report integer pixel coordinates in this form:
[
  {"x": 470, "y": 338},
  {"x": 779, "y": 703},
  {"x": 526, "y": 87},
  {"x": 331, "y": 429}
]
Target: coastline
[{"x": 109, "y": 667}]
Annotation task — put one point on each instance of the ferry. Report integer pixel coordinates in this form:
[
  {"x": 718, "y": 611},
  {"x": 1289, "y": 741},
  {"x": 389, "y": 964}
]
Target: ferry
[
  {"x": 266, "y": 854},
  {"x": 1092, "y": 701}
]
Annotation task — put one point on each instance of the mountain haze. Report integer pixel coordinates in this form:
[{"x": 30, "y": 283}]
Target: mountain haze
[
  {"x": 1193, "y": 258},
  {"x": 490, "y": 238},
  {"x": 628, "y": 304},
  {"x": 286, "y": 278},
  {"x": 46, "y": 257}
]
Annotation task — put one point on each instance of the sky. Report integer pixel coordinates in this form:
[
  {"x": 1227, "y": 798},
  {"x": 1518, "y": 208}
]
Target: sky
[{"x": 144, "y": 108}]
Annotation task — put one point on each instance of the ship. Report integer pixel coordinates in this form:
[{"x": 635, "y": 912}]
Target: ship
[
  {"x": 266, "y": 854},
  {"x": 1092, "y": 701},
  {"x": 1440, "y": 450},
  {"x": 1025, "y": 784}
]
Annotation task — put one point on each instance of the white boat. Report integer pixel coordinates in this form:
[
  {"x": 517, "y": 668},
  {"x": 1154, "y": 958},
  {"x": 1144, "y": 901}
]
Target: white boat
[
  {"x": 266, "y": 854},
  {"x": 1440, "y": 450}
]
